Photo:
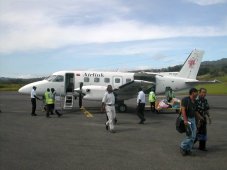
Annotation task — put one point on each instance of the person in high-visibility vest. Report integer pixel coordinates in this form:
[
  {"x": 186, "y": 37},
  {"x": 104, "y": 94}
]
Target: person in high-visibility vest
[
  {"x": 152, "y": 100},
  {"x": 45, "y": 97},
  {"x": 170, "y": 95},
  {"x": 52, "y": 96},
  {"x": 49, "y": 102}
]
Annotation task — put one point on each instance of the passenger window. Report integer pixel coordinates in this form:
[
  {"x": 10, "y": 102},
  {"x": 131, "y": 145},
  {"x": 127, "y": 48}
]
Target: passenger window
[
  {"x": 106, "y": 80},
  {"x": 128, "y": 80},
  {"x": 117, "y": 80},
  {"x": 86, "y": 79},
  {"x": 96, "y": 79}
]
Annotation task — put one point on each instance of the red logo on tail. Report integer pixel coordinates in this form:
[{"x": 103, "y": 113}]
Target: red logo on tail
[{"x": 191, "y": 62}]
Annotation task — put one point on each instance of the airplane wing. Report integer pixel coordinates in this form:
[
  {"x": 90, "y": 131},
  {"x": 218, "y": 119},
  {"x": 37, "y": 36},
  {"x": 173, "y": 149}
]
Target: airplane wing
[{"x": 130, "y": 89}]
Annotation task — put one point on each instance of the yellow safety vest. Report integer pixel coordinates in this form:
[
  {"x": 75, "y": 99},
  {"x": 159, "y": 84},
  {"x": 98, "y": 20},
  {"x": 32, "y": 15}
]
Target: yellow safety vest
[
  {"x": 48, "y": 98},
  {"x": 152, "y": 97}
]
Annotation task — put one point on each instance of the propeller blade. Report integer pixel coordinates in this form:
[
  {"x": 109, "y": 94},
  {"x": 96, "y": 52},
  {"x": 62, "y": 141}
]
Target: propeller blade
[{"x": 80, "y": 95}]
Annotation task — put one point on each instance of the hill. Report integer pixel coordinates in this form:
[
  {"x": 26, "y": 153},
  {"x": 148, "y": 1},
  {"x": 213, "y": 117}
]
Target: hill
[
  {"x": 5, "y": 80},
  {"x": 208, "y": 70},
  {"x": 212, "y": 68},
  {"x": 13, "y": 84}
]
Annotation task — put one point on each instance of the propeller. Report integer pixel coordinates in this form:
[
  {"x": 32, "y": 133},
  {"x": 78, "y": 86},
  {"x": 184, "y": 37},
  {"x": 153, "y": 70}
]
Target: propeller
[{"x": 80, "y": 95}]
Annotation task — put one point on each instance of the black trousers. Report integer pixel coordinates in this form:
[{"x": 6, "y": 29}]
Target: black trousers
[
  {"x": 140, "y": 111},
  {"x": 50, "y": 109},
  {"x": 152, "y": 106},
  {"x": 33, "y": 100},
  {"x": 202, "y": 134}
]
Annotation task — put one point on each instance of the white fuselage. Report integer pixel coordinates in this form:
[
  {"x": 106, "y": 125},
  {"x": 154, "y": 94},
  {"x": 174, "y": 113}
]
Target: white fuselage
[
  {"x": 69, "y": 81},
  {"x": 91, "y": 85}
]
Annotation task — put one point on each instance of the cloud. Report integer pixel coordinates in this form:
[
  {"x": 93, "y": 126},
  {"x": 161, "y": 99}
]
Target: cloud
[
  {"x": 39, "y": 25},
  {"x": 208, "y": 2},
  {"x": 46, "y": 34}
]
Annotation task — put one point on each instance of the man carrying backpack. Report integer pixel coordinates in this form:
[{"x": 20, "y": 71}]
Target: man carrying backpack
[{"x": 188, "y": 108}]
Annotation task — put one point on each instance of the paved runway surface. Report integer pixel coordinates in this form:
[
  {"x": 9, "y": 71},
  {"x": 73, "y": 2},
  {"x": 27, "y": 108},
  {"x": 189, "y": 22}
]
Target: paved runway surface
[{"x": 77, "y": 142}]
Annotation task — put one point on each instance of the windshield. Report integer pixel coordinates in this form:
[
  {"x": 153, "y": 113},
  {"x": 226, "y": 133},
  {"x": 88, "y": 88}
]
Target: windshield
[{"x": 55, "y": 78}]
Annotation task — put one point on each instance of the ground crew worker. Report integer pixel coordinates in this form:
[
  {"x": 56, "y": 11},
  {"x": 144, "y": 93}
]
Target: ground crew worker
[
  {"x": 152, "y": 100},
  {"x": 141, "y": 105},
  {"x": 170, "y": 95},
  {"x": 52, "y": 95},
  {"x": 49, "y": 103},
  {"x": 33, "y": 100},
  {"x": 45, "y": 98},
  {"x": 108, "y": 104}
]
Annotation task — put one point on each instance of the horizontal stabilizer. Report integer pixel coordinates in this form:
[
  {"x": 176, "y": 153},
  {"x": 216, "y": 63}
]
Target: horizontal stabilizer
[{"x": 202, "y": 82}]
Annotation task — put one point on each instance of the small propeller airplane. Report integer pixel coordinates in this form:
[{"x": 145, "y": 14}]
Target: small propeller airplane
[{"x": 91, "y": 85}]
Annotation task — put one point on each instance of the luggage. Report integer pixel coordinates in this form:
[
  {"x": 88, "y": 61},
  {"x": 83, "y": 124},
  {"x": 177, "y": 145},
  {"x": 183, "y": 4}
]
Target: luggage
[{"x": 180, "y": 127}]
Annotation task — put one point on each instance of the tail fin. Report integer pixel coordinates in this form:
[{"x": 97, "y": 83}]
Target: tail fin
[{"x": 191, "y": 66}]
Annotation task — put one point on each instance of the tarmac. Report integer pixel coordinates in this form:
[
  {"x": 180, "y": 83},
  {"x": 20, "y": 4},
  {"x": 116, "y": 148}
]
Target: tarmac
[{"x": 77, "y": 142}]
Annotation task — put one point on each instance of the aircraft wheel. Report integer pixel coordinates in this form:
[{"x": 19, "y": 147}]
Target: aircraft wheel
[
  {"x": 177, "y": 111},
  {"x": 122, "y": 108}
]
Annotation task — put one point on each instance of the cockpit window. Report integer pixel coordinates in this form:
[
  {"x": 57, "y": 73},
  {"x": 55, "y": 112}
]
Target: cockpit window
[
  {"x": 50, "y": 78},
  {"x": 59, "y": 79},
  {"x": 55, "y": 78}
]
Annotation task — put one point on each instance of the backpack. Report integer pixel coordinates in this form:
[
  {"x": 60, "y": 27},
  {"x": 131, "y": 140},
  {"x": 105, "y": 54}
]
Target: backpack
[{"x": 180, "y": 126}]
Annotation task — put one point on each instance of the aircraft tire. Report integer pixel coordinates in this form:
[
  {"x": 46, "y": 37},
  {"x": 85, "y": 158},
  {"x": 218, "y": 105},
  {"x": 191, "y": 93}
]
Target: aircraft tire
[{"x": 122, "y": 108}]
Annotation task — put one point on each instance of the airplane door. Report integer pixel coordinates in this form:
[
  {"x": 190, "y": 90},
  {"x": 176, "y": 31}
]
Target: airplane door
[
  {"x": 117, "y": 81},
  {"x": 69, "y": 82}
]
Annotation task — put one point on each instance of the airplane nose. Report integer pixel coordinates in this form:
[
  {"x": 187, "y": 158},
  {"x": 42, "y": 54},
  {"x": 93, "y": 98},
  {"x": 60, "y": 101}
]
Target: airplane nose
[
  {"x": 21, "y": 90},
  {"x": 24, "y": 90}
]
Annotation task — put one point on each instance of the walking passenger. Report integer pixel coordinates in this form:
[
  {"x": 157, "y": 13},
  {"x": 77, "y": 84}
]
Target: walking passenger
[
  {"x": 202, "y": 108},
  {"x": 108, "y": 104},
  {"x": 188, "y": 107}
]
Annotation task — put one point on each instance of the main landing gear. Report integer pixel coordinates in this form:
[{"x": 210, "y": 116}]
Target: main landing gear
[{"x": 121, "y": 107}]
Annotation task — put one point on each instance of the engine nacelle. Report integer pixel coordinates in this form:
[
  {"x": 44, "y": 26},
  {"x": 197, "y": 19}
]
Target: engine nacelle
[{"x": 93, "y": 92}]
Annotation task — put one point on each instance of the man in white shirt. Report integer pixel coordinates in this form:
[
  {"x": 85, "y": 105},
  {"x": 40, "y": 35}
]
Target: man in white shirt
[
  {"x": 108, "y": 104},
  {"x": 33, "y": 100},
  {"x": 141, "y": 105}
]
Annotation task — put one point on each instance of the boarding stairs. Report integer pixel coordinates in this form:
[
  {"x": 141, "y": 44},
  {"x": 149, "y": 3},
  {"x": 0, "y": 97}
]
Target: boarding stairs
[
  {"x": 68, "y": 103},
  {"x": 59, "y": 102}
]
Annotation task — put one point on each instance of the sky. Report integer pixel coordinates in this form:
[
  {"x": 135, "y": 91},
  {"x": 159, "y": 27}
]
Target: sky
[{"x": 39, "y": 37}]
